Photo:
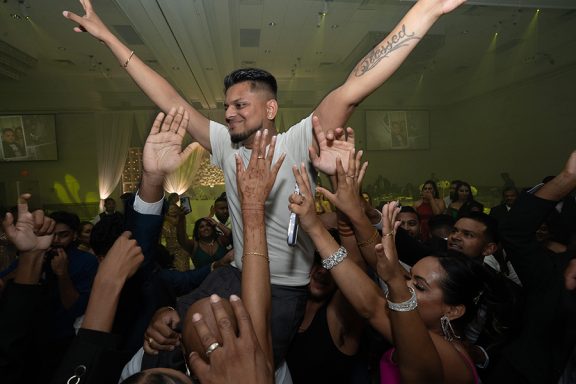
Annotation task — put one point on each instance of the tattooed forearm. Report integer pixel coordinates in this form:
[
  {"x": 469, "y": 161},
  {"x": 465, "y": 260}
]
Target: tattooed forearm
[{"x": 398, "y": 40}]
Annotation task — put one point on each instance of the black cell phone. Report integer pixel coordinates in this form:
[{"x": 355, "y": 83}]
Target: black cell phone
[
  {"x": 293, "y": 224},
  {"x": 185, "y": 204}
]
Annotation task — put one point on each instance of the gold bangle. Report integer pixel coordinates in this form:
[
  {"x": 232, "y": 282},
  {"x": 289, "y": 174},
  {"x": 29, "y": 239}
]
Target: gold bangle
[
  {"x": 129, "y": 58},
  {"x": 372, "y": 240},
  {"x": 265, "y": 257},
  {"x": 391, "y": 233}
]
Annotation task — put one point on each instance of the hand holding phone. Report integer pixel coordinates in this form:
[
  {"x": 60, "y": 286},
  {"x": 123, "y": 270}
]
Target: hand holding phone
[
  {"x": 185, "y": 204},
  {"x": 293, "y": 224}
]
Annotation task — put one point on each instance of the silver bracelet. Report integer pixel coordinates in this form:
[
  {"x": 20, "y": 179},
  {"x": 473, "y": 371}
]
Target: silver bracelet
[
  {"x": 335, "y": 258},
  {"x": 405, "y": 306}
]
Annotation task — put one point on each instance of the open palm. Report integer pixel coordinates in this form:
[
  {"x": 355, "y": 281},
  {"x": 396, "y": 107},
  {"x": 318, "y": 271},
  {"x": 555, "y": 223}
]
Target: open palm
[{"x": 163, "y": 152}]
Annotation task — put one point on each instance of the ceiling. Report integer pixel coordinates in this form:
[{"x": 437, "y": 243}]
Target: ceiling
[{"x": 45, "y": 66}]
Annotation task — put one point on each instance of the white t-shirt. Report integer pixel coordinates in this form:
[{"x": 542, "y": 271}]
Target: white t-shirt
[{"x": 289, "y": 266}]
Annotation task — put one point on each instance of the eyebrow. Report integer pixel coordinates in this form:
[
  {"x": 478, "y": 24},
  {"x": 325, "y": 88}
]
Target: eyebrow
[{"x": 421, "y": 279}]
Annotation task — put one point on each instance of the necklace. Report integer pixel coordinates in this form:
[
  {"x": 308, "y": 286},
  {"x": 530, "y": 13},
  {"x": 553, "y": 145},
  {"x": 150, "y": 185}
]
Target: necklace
[{"x": 210, "y": 245}]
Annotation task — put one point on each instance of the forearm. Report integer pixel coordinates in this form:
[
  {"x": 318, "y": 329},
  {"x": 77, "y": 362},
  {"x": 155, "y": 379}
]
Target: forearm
[
  {"x": 356, "y": 286},
  {"x": 256, "y": 291},
  {"x": 182, "y": 237},
  {"x": 102, "y": 304},
  {"x": 367, "y": 237},
  {"x": 437, "y": 206},
  {"x": 559, "y": 187},
  {"x": 151, "y": 188},
  {"x": 160, "y": 91},
  {"x": 379, "y": 64},
  {"x": 29, "y": 267},
  {"x": 411, "y": 338},
  {"x": 68, "y": 293}
]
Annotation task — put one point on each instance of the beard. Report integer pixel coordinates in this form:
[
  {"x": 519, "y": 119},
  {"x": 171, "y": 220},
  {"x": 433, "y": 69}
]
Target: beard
[{"x": 243, "y": 136}]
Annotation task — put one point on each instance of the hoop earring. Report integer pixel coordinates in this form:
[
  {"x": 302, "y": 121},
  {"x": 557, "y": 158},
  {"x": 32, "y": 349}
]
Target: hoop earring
[{"x": 447, "y": 329}]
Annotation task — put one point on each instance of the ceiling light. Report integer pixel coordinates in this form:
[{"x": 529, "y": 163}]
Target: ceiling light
[{"x": 272, "y": 24}]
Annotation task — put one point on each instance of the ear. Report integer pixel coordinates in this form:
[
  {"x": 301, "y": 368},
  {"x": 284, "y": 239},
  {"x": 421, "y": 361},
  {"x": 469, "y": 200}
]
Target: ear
[
  {"x": 489, "y": 249},
  {"x": 454, "y": 312},
  {"x": 271, "y": 109}
]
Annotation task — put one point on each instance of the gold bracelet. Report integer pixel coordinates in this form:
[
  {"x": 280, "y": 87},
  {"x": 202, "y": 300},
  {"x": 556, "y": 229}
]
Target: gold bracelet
[
  {"x": 256, "y": 254},
  {"x": 372, "y": 240},
  {"x": 129, "y": 58}
]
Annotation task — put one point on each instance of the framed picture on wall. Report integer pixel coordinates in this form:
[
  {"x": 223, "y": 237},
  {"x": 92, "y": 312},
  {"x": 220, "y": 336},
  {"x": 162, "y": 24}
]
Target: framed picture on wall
[
  {"x": 28, "y": 138},
  {"x": 397, "y": 130}
]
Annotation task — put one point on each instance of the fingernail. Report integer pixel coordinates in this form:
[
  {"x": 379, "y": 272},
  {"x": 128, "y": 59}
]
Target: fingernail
[
  {"x": 196, "y": 317},
  {"x": 214, "y": 298},
  {"x": 234, "y": 298}
]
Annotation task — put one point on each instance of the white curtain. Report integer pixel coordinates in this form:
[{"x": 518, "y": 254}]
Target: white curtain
[
  {"x": 180, "y": 180},
  {"x": 112, "y": 141}
]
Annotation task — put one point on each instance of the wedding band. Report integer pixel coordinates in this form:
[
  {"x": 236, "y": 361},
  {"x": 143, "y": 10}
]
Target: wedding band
[
  {"x": 388, "y": 234},
  {"x": 212, "y": 348},
  {"x": 260, "y": 157}
]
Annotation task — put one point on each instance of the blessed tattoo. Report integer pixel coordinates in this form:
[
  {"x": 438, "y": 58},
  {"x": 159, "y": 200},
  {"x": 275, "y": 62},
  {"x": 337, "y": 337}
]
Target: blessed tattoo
[{"x": 398, "y": 40}]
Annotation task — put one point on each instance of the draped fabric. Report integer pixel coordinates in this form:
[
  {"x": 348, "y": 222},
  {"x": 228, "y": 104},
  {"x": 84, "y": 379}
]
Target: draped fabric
[
  {"x": 180, "y": 180},
  {"x": 113, "y": 134}
]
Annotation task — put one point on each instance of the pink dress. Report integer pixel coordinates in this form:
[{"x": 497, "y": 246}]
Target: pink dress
[{"x": 390, "y": 373}]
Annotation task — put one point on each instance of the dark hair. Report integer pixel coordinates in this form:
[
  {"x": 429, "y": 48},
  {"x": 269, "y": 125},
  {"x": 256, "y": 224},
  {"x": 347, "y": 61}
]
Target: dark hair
[
  {"x": 221, "y": 198},
  {"x": 438, "y": 221},
  {"x": 196, "y": 231},
  {"x": 434, "y": 187},
  {"x": 145, "y": 377},
  {"x": 470, "y": 283},
  {"x": 508, "y": 189},
  {"x": 258, "y": 78},
  {"x": 7, "y": 129},
  {"x": 109, "y": 199},
  {"x": 458, "y": 185},
  {"x": 70, "y": 219},
  {"x": 409, "y": 209},
  {"x": 491, "y": 231},
  {"x": 464, "y": 282},
  {"x": 83, "y": 224}
]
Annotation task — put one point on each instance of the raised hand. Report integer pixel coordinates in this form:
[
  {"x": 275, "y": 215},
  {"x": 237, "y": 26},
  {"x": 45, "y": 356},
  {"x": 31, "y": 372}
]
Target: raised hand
[
  {"x": 388, "y": 267},
  {"x": 90, "y": 22},
  {"x": 303, "y": 204},
  {"x": 330, "y": 150},
  {"x": 123, "y": 259},
  {"x": 32, "y": 231},
  {"x": 347, "y": 185},
  {"x": 256, "y": 181},
  {"x": 163, "y": 152}
]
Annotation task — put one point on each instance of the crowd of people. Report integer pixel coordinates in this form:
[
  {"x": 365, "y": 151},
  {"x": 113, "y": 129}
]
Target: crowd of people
[{"x": 435, "y": 293}]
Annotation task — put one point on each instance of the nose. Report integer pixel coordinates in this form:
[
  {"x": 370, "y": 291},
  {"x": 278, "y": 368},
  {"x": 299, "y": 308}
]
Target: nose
[{"x": 229, "y": 112}]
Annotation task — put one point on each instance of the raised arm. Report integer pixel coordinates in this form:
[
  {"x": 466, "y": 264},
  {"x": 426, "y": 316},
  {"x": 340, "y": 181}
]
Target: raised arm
[
  {"x": 356, "y": 286},
  {"x": 254, "y": 185},
  {"x": 381, "y": 62},
  {"x": 416, "y": 354},
  {"x": 154, "y": 86}
]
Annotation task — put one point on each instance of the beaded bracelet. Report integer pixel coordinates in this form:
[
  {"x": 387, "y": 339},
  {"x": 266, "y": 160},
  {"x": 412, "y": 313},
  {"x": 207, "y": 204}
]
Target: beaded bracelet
[
  {"x": 405, "y": 306},
  {"x": 335, "y": 258}
]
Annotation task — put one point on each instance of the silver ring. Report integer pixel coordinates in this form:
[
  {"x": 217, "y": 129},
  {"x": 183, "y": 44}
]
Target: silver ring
[{"x": 212, "y": 348}]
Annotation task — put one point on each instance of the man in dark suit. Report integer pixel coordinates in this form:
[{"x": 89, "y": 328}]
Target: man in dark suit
[
  {"x": 540, "y": 351},
  {"x": 509, "y": 196}
]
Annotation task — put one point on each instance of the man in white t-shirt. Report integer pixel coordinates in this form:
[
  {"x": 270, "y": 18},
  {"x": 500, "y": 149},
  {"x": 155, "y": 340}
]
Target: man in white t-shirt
[{"x": 251, "y": 106}]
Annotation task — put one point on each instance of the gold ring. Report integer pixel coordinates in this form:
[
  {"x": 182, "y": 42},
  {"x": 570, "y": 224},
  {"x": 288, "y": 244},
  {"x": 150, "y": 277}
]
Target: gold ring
[
  {"x": 212, "y": 348},
  {"x": 391, "y": 233},
  {"x": 260, "y": 157},
  {"x": 150, "y": 340}
]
